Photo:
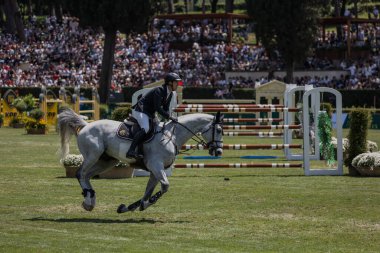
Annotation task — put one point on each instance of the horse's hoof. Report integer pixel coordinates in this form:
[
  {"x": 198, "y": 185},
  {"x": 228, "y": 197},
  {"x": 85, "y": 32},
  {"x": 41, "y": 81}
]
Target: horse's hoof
[
  {"x": 87, "y": 207},
  {"x": 144, "y": 205},
  {"x": 122, "y": 209}
]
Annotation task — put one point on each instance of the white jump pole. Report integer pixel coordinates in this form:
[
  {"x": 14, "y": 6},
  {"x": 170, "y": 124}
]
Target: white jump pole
[{"x": 289, "y": 97}]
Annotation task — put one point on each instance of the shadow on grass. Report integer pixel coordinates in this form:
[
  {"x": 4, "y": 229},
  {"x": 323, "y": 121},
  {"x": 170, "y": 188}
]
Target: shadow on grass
[
  {"x": 103, "y": 221},
  {"x": 236, "y": 176}
]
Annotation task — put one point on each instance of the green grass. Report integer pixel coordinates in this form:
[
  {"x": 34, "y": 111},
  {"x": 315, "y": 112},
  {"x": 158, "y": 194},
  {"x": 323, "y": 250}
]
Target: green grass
[{"x": 257, "y": 210}]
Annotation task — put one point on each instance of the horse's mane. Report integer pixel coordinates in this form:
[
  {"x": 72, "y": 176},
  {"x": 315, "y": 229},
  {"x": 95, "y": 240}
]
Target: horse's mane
[{"x": 195, "y": 116}]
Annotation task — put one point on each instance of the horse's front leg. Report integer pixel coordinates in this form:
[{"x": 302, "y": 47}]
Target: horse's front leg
[
  {"x": 152, "y": 182},
  {"x": 149, "y": 200}
]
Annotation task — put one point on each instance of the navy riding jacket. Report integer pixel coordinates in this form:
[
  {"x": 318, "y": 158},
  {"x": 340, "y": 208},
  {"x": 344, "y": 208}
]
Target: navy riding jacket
[{"x": 156, "y": 100}]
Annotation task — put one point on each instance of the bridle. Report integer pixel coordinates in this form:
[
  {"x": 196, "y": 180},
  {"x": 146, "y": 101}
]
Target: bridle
[{"x": 212, "y": 145}]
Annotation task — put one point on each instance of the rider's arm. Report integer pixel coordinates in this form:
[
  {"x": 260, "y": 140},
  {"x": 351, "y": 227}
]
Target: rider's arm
[{"x": 158, "y": 100}]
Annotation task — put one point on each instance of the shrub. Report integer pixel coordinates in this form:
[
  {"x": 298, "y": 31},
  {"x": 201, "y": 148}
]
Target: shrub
[
  {"x": 103, "y": 111},
  {"x": 121, "y": 113},
  {"x": 23, "y": 104},
  {"x": 328, "y": 108},
  {"x": 357, "y": 137},
  {"x": 324, "y": 133},
  {"x": 36, "y": 114}
]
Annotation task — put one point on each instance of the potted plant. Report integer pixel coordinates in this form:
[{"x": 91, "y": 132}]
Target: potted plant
[
  {"x": 367, "y": 164},
  {"x": 34, "y": 124},
  {"x": 73, "y": 162},
  {"x": 22, "y": 105}
]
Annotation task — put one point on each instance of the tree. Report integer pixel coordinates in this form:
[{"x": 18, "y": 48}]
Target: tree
[
  {"x": 214, "y": 4},
  {"x": 13, "y": 19},
  {"x": 289, "y": 27},
  {"x": 229, "y": 6},
  {"x": 170, "y": 6},
  {"x": 126, "y": 16}
]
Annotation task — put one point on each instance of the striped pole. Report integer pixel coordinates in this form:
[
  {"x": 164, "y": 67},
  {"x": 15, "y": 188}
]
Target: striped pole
[
  {"x": 228, "y": 106},
  {"x": 259, "y": 134},
  {"x": 261, "y": 120},
  {"x": 244, "y": 146},
  {"x": 244, "y": 127},
  {"x": 239, "y": 165},
  {"x": 235, "y": 110}
]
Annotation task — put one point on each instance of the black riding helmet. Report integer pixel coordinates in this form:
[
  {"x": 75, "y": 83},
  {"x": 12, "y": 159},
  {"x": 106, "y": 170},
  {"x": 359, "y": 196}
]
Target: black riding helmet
[{"x": 172, "y": 77}]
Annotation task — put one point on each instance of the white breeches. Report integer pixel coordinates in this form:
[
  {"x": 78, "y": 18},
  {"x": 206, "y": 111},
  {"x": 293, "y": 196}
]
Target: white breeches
[{"x": 142, "y": 119}]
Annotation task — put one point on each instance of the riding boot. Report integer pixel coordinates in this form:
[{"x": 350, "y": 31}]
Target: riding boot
[{"x": 139, "y": 137}]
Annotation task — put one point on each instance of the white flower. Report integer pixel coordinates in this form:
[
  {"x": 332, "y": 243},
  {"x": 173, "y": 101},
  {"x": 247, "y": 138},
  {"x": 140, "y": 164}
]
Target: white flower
[
  {"x": 371, "y": 160},
  {"x": 72, "y": 160},
  {"x": 371, "y": 146}
]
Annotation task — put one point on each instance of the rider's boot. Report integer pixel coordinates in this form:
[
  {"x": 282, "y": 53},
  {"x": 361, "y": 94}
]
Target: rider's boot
[{"x": 139, "y": 137}]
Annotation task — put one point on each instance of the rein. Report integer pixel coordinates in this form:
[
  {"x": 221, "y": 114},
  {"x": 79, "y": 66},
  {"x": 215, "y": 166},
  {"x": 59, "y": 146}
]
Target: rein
[{"x": 199, "y": 140}]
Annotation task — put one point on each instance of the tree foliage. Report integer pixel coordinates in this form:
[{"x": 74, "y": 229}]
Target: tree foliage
[
  {"x": 287, "y": 26},
  {"x": 124, "y": 15}
]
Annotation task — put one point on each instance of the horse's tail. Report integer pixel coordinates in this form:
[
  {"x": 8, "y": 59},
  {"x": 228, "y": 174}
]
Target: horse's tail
[{"x": 69, "y": 123}]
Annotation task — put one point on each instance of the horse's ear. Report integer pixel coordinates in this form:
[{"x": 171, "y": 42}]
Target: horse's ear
[
  {"x": 221, "y": 118},
  {"x": 217, "y": 117}
]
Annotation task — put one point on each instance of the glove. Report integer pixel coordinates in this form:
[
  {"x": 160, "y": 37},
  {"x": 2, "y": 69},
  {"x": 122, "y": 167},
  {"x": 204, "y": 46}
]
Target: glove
[{"x": 174, "y": 119}]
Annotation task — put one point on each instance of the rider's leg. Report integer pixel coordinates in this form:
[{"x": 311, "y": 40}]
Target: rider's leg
[
  {"x": 143, "y": 121},
  {"x": 137, "y": 139}
]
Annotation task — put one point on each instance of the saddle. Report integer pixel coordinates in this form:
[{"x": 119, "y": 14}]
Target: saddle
[{"x": 130, "y": 127}]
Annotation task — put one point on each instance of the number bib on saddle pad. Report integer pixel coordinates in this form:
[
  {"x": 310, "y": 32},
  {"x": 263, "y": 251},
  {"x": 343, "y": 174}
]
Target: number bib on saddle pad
[{"x": 130, "y": 127}]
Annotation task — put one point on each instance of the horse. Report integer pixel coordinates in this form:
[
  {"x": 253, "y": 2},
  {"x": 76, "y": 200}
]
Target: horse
[{"x": 102, "y": 149}]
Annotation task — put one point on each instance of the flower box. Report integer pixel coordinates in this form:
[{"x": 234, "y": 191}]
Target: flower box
[
  {"x": 36, "y": 131},
  {"x": 367, "y": 164},
  {"x": 117, "y": 172},
  {"x": 114, "y": 173},
  {"x": 72, "y": 163},
  {"x": 71, "y": 171},
  {"x": 369, "y": 171}
]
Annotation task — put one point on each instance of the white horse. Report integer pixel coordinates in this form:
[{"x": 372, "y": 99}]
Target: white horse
[{"x": 102, "y": 149}]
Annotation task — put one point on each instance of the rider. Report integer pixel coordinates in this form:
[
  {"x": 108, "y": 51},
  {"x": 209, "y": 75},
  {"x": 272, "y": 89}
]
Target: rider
[{"x": 156, "y": 100}]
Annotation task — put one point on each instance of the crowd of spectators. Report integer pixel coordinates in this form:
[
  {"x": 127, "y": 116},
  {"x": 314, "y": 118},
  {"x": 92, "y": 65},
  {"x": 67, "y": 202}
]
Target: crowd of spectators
[{"x": 58, "y": 54}]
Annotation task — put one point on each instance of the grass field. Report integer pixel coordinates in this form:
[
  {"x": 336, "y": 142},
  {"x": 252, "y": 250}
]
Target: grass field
[{"x": 256, "y": 210}]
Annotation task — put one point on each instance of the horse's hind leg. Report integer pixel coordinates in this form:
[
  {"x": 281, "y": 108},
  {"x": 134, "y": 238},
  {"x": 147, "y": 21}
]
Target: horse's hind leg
[
  {"x": 96, "y": 169},
  {"x": 90, "y": 167},
  {"x": 84, "y": 182}
]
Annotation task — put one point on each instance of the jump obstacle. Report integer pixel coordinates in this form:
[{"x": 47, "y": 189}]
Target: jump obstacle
[
  {"x": 244, "y": 146},
  {"x": 6, "y": 107},
  {"x": 239, "y": 165},
  {"x": 309, "y": 92},
  {"x": 94, "y": 104}
]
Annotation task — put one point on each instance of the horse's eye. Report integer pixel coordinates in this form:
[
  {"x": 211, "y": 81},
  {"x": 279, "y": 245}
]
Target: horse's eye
[{"x": 219, "y": 130}]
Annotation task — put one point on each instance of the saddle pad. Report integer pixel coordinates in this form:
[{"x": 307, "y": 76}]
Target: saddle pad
[{"x": 125, "y": 132}]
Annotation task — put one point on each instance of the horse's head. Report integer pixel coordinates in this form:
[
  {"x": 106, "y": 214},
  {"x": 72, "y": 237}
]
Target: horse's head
[{"x": 213, "y": 134}]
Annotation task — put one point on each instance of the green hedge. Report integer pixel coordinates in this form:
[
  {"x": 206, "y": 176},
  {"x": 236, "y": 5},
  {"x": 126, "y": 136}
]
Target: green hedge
[{"x": 357, "y": 137}]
